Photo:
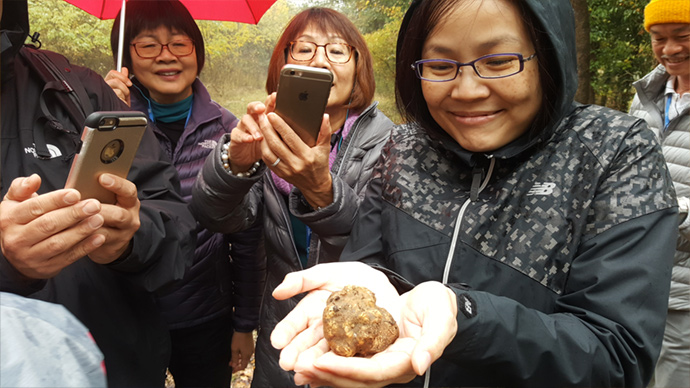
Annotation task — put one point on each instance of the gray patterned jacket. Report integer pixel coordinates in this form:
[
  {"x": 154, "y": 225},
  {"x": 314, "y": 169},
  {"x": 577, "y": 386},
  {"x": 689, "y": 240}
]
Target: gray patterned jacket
[
  {"x": 563, "y": 255},
  {"x": 648, "y": 104}
]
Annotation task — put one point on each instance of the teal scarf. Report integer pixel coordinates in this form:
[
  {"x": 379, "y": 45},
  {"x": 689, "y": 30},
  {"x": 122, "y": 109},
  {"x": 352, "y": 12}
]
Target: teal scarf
[{"x": 169, "y": 113}]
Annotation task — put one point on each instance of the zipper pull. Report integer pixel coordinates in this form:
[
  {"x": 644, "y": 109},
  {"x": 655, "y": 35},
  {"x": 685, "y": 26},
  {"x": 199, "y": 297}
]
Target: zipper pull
[{"x": 477, "y": 177}]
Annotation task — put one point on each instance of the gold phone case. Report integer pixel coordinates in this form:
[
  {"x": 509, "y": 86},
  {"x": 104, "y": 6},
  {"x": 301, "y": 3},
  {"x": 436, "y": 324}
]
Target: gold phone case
[
  {"x": 109, "y": 143},
  {"x": 301, "y": 99}
]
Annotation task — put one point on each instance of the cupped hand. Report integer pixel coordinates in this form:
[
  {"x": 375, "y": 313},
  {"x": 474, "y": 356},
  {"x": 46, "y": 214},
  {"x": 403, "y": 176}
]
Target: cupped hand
[
  {"x": 426, "y": 316},
  {"x": 121, "y": 220},
  {"x": 120, "y": 83},
  {"x": 42, "y": 234},
  {"x": 302, "y": 328}
]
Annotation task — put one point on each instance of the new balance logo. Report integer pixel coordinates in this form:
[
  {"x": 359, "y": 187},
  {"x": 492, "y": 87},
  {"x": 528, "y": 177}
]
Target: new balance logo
[
  {"x": 467, "y": 306},
  {"x": 545, "y": 188}
]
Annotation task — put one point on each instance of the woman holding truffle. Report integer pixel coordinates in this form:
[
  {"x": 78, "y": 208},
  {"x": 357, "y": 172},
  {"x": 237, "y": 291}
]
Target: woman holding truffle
[{"x": 519, "y": 238}]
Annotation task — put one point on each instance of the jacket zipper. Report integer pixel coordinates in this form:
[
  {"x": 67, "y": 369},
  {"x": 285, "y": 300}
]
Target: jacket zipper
[
  {"x": 477, "y": 186},
  {"x": 475, "y": 189}
]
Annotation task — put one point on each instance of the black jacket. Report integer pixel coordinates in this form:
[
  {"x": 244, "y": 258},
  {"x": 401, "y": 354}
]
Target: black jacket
[
  {"x": 226, "y": 203},
  {"x": 116, "y": 301},
  {"x": 564, "y": 247}
]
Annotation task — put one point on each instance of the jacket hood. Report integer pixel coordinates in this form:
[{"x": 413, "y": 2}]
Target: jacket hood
[
  {"x": 14, "y": 27},
  {"x": 558, "y": 21}
]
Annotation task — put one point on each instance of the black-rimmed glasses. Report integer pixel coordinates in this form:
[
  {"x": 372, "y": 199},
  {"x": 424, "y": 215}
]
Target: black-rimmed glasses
[
  {"x": 489, "y": 66},
  {"x": 178, "y": 48},
  {"x": 303, "y": 51}
]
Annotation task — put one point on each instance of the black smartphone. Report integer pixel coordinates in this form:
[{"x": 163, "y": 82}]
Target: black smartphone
[
  {"x": 109, "y": 143},
  {"x": 301, "y": 99}
]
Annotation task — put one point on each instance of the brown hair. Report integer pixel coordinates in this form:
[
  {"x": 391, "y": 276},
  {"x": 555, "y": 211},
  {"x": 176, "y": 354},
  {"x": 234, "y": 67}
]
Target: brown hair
[{"x": 327, "y": 20}]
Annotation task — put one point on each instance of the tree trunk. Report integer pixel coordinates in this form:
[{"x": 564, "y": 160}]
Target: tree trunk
[{"x": 584, "y": 91}]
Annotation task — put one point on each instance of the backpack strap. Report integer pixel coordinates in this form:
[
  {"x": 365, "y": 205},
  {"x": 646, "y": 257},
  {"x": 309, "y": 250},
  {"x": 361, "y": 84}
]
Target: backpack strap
[
  {"x": 56, "y": 73},
  {"x": 55, "y": 70}
]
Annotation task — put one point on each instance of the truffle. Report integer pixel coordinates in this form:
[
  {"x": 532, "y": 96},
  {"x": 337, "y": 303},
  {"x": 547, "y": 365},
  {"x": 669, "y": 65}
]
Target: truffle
[{"x": 354, "y": 326}]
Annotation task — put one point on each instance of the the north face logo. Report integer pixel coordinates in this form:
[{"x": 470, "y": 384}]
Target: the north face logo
[
  {"x": 54, "y": 151},
  {"x": 545, "y": 188},
  {"x": 209, "y": 144}
]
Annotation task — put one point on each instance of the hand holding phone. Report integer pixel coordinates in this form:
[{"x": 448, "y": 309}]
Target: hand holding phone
[
  {"x": 109, "y": 143},
  {"x": 301, "y": 99}
]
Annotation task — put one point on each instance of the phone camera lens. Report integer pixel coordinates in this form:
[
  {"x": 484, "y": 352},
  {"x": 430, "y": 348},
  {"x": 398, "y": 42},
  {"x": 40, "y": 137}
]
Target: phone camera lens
[{"x": 108, "y": 122}]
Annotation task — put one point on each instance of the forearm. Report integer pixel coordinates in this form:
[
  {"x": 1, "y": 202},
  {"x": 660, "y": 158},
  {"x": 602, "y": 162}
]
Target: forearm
[
  {"x": 332, "y": 223},
  {"x": 223, "y": 202}
]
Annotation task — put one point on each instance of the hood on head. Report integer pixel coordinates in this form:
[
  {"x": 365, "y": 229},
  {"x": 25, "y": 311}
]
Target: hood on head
[
  {"x": 557, "y": 19},
  {"x": 554, "y": 24}
]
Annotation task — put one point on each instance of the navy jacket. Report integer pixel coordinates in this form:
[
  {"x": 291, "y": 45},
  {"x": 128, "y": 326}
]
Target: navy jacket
[{"x": 228, "y": 269}]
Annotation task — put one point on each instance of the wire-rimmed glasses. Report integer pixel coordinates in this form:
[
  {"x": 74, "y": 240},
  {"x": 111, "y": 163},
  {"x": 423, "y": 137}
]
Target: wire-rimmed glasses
[
  {"x": 303, "y": 51},
  {"x": 178, "y": 48},
  {"x": 489, "y": 66}
]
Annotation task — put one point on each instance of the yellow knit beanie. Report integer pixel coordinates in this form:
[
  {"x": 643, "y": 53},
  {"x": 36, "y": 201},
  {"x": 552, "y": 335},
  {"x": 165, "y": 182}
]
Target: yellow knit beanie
[{"x": 666, "y": 11}]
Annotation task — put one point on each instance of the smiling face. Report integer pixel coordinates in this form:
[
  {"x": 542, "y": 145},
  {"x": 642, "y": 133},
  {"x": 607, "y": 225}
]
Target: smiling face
[
  {"x": 343, "y": 73},
  {"x": 671, "y": 46},
  {"x": 167, "y": 77},
  {"x": 482, "y": 114}
]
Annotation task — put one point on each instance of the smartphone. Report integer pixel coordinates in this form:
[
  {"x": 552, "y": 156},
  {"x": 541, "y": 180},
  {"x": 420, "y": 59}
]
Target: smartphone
[
  {"x": 108, "y": 144},
  {"x": 301, "y": 99}
]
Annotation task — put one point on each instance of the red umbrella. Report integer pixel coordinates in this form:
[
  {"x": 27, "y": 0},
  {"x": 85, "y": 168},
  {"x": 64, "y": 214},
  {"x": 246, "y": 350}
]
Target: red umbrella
[{"x": 243, "y": 11}]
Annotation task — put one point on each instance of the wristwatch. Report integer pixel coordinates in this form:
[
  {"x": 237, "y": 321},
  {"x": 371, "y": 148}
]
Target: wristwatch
[{"x": 683, "y": 208}]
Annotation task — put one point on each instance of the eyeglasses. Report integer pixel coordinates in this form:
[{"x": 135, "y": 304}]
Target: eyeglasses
[
  {"x": 335, "y": 52},
  {"x": 178, "y": 48},
  {"x": 489, "y": 66}
]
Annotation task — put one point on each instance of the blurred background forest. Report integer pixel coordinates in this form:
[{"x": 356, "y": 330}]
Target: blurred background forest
[{"x": 613, "y": 47}]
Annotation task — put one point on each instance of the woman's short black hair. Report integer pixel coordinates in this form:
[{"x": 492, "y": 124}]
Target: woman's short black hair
[
  {"x": 141, "y": 15},
  {"x": 420, "y": 20}
]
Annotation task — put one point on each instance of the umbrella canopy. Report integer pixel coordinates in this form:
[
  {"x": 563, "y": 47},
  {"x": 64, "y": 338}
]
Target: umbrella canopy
[{"x": 243, "y": 11}]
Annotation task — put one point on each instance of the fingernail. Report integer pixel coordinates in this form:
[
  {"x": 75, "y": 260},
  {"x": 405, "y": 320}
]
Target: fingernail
[
  {"x": 96, "y": 222},
  {"x": 91, "y": 207},
  {"x": 71, "y": 198},
  {"x": 107, "y": 180},
  {"x": 98, "y": 240},
  {"x": 300, "y": 380},
  {"x": 27, "y": 181}
]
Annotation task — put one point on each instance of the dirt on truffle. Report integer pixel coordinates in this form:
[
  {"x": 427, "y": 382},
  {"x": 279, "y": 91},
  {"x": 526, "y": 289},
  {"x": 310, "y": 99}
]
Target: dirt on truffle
[{"x": 354, "y": 325}]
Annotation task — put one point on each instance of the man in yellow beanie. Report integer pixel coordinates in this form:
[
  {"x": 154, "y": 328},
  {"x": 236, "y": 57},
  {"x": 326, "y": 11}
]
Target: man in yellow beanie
[{"x": 663, "y": 101}]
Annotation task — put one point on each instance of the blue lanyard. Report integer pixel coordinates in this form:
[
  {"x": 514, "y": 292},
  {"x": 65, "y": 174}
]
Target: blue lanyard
[{"x": 668, "y": 105}]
